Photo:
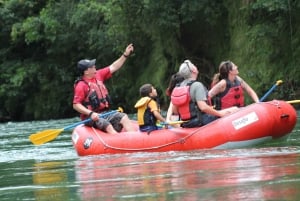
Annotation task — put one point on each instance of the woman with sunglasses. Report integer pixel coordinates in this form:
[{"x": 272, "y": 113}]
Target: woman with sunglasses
[
  {"x": 189, "y": 99},
  {"x": 227, "y": 88}
]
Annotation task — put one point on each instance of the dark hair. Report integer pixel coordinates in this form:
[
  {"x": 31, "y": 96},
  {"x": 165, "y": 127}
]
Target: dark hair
[
  {"x": 175, "y": 79},
  {"x": 215, "y": 80},
  {"x": 145, "y": 90},
  {"x": 224, "y": 69}
]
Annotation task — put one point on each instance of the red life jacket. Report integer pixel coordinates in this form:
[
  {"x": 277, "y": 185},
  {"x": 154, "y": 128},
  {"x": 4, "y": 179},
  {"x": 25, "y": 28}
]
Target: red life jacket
[
  {"x": 97, "y": 98},
  {"x": 181, "y": 98},
  {"x": 232, "y": 96}
]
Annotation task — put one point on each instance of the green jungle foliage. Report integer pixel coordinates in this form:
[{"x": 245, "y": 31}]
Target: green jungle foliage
[{"x": 42, "y": 41}]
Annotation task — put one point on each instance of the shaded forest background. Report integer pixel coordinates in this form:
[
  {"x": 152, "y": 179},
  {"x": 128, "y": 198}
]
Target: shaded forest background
[{"x": 41, "y": 42}]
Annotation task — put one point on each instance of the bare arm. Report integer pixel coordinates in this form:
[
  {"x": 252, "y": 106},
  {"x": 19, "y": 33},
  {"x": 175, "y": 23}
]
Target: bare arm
[
  {"x": 158, "y": 116},
  {"x": 169, "y": 112},
  {"x": 210, "y": 110},
  {"x": 116, "y": 65},
  {"x": 218, "y": 88},
  {"x": 83, "y": 110},
  {"x": 249, "y": 90},
  {"x": 174, "y": 109}
]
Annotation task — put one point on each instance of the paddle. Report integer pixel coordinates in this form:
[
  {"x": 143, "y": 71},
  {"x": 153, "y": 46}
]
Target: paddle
[
  {"x": 48, "y": 135},
  {"x": 172, "y": 122},
  {"x": 278, "y": 82},
  {"x": 293, "y": 101},
  {"x": 167, "y": 124}
]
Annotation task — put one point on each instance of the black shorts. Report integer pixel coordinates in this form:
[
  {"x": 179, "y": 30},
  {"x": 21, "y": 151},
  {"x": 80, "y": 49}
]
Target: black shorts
[{"x": 113, "y": 119}]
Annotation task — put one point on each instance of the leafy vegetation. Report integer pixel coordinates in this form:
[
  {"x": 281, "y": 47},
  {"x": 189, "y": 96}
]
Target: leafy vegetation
[{"x": 41, "y": 42}]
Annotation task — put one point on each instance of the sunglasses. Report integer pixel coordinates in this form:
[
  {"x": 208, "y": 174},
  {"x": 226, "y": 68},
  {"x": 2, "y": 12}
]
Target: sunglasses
[{"x": 187, "y": 63}]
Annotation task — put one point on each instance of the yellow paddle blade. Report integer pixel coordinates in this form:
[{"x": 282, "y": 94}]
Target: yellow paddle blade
[
  {"x": 44, "y": 136},
  {"x": 48, "y": 135},
  {"x": 293, "y": 101}
]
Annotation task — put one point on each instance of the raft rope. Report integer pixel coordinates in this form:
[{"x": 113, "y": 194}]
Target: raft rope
[{"x": 181, "y": 141}]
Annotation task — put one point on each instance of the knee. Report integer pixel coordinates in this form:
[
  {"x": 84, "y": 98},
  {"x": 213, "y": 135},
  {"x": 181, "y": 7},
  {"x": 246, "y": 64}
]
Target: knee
[{"x": 125, "y": 118}]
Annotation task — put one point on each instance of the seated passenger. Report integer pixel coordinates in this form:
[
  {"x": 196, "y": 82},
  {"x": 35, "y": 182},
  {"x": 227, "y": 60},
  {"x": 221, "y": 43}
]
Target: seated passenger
[
  {"x": 227, "y": 88},
  {"x": 148, "y": 110},
  {"x": 189, "y": 99}
]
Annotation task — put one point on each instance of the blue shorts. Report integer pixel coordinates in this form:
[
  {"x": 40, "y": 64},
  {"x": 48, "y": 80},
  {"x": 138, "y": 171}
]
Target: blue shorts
[
  {"x": 207, "y": 118},
  {"x": 148, "y": 128}
]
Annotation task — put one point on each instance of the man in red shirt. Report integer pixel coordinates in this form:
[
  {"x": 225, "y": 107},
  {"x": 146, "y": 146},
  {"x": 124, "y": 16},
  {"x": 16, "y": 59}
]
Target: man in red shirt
[{"x": 91, "y": 96}]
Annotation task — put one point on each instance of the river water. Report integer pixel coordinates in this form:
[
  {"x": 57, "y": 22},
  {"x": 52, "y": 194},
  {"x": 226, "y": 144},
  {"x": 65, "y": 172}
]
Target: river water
[{"x": 53, "y": 171}]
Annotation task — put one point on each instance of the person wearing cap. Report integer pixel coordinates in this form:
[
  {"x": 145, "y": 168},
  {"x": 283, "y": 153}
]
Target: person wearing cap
[
  {"x": 91, "y": 97},
  {"x": 148, "y": 111},
  {"x": 189, "y": 99}
]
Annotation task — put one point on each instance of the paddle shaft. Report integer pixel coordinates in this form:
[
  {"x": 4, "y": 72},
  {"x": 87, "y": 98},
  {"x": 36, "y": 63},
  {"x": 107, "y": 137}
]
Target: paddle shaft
[
  {"x": 89, "y": 119},
  {"x": 270, "y": 90},
  {"x": 293, "y": 101},
  {"x": 172, "y": 122}
]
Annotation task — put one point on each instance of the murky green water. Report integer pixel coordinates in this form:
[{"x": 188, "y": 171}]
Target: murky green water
[{"x": 53, "y": 171}]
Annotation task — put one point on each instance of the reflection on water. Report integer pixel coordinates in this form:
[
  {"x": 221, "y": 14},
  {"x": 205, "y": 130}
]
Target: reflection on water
[
  {"x": 53, "y": 171},
  {"x": 48, "y": 178},
  {"x": 177, "y": 176}
]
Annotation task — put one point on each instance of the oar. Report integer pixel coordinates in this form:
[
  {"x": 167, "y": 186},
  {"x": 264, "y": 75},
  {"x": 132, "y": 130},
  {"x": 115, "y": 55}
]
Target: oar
[
  {"x": 278, "y": 82},
  {"x": 293, "y": 101},
  {"x": 48, "y": 135},
  {"x": 166, "y": 124},
  {"x": 172, "y": 122}
]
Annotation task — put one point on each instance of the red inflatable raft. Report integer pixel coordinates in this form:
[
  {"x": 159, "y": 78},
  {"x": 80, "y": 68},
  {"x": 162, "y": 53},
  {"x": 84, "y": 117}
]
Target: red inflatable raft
[{"x": 249, "y": 126}]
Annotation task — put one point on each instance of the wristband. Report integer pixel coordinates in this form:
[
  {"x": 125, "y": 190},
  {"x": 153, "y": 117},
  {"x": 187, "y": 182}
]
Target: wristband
[
  {"x": 90, "y": 114},
  {"x": 126, "y": 56}
]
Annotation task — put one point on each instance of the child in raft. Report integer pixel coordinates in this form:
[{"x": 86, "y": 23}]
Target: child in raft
[{"x": 148, "y": 110}]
